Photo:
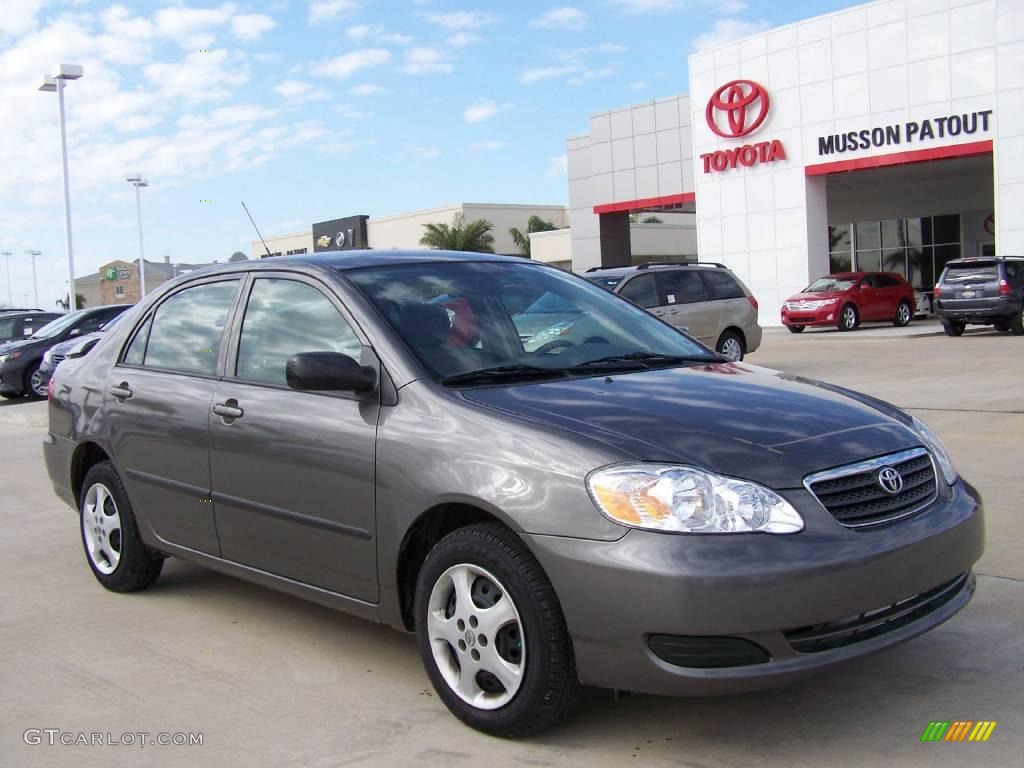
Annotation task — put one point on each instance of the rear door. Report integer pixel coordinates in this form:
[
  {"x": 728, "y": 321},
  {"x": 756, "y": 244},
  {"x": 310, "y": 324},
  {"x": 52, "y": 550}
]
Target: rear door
[
  {"x": 157, "y": 402},
  {"x": 292, "y": 471},
  {"x": 689, "y": 304},
  {"x": 890, "y": 293},
  {"x": 735, "y": 309},
  {"x": 869, "y": 301}
]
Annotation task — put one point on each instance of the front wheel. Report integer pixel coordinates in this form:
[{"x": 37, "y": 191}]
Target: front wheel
[
  {"x": 37, "y": 383},
  {"x": 491, "y": 634},
  {"x": 730, "y": 346},
  {"x": 904, "y": 314},
  {"x": 796, "y": 328},
  {"x": 848, "y": 318},
  {"x": 118, "y": 558},
  {"x": 953, "y": 329}
]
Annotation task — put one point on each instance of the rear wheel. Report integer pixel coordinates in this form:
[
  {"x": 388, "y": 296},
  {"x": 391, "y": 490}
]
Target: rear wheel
[
  {"x": 849, "y": 318},
  {"x": 36, "y": 383},
  {"x": 1001, "y": 325},
  {"x": 1016, "y": 323},
  {"x": 730, "y": 345},
  {"x": 491, "y": 633},
  {"x": 953, "y": 329},
  {"x": 796, "y": 328},
  {"x": 904, "y": 314}
]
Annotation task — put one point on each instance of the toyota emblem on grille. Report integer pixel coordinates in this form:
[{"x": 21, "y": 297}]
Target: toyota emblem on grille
[{"x": 890, "y": 480}]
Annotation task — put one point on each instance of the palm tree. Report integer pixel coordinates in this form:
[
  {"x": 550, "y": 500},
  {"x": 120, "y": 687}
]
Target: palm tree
[
  {"x": 459, "y": 235},
  {"x": 79, "y": 302},
  {"x": 533, "y": 224},
  {"x": 634, "y": 218}
]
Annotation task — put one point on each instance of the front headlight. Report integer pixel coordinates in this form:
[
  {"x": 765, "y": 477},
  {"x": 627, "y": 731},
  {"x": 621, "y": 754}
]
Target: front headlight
[
  {"x": 669, "y": 497},
  {"x": 933, "y": 444},
  {"x": 9, "y": 356}
]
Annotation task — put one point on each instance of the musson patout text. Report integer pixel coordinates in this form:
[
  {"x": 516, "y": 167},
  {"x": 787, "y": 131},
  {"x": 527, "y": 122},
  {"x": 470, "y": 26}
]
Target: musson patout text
[{"x": 906, "y": 133}]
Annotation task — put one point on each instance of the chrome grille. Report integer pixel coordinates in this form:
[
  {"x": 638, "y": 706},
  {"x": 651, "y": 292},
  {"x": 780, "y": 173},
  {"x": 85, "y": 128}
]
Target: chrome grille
[
  {"x": 57, "y": 359},
  {"x": 854, "y": 496}
]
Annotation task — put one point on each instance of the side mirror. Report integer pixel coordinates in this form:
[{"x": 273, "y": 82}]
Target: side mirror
[
  {"x": 863, "y": 287},
  {"x": 328, "y": 371},
  {"x": 74, "y": 332}
]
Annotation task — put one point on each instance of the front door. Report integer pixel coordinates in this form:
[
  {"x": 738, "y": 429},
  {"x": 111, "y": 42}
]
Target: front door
[
  {"x": 293, "y": 472},
  {"x": 158, "y": 400}
]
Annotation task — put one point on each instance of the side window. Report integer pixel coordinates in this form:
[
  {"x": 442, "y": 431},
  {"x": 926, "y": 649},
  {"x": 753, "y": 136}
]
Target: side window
[
  {"x": 283, "y": 318},
  {"x": 723, "y": 285},
  {"x": 868, "y": 282},
  {"x": 187, "y": 328},
  {"x": 683, "y": 286},
  {"x": 137, "y": 349},
  {"x": 7, "y": 328},
  {"x": 642, "y": 291},
  {"x": 884, "y": 281},
  {"x": 92, "y": 322}
]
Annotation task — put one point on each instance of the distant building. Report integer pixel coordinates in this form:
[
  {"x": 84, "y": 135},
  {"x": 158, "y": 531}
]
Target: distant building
[{"x": 117, "y": 282}]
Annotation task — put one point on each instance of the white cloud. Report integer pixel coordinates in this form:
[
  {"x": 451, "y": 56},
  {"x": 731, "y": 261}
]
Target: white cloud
[
  {"x": 349, "y": 63},
  {"x": 192, "y": 27},
  {"x": 366, "y": 89},
  {"x": 591, "y": 74},
  {"x": 425, "y": 61},
  {"x": 298, "y": 90},
  {"x": 378, "y": 34},
  {"x": 644, "y": 6},
  {"x": 351, "y": 113},
  {"x": 566, "y": 17},
  {"x": 327, "y": 10},
  {"x": 484, "y": 109},
  {"x": 558, "y": 166},
  {"x": 545, "y": 73},
  {"x": 251, "y": 26},
  {"x": 462, "y": 39},
  {"x": 199, "y": 76},
  {"x": 728, "y": 30},
  {"x": 460, "y": 20},
  {"x": 19, "y": 16},
  {"x": 490, "y": 146}
]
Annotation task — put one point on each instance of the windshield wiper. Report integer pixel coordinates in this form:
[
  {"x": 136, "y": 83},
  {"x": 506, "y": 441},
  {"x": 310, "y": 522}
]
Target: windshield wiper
[
  {"x": 647, "y": 358},
  {"x": 502, "y": 372}
]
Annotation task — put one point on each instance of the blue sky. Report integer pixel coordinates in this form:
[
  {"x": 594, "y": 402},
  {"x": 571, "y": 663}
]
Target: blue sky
[{"x": 313, "y": 109}]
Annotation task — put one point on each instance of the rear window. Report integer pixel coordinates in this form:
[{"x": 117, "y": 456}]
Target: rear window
[{"x": 960, "y": 273}]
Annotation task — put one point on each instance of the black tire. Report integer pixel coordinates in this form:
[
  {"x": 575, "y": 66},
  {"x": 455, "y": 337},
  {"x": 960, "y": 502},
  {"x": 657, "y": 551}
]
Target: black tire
[
  {"x": 849, "y": 318},
  {"x": 796, "y": 328},
  {"x": 730, "y": 344},
  {"x": 904, "y": 314},
  {"x": 29, "y": 384},
  {"x": 11, "y": 395},
  {"x": 1003, "y": 326},
  {"x": 1016, "y": 323},
  {"x": 138, "y": 566},
  {"x": 953, "y": 329},
  {"x": 549, "y": 690}
]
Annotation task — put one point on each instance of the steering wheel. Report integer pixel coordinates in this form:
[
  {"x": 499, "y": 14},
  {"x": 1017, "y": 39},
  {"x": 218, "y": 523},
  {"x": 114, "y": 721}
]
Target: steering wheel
[{"x": 551, "y": 345}]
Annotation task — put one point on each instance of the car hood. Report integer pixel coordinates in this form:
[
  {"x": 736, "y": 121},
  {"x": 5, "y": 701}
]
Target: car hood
[
  {"x": 816, "y": 295},
  {"x": 10, "y": 346},
  {"x": 64, "y": 346},
  {"x": 733, "y": 418}
]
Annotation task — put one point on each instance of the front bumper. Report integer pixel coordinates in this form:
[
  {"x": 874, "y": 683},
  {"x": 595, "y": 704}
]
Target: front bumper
[
  {"x": 760, "y": 588},
  {"x": 828, "y": 315}
]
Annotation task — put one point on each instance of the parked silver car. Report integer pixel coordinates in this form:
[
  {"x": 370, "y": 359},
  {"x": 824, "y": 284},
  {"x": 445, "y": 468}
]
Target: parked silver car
[
  {"x": 705, "y": 298},
  {"x": 368, "y": 430}
]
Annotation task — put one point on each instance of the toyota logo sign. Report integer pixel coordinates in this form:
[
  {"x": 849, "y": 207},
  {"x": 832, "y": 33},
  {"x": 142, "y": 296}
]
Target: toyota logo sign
[
  {"x": 744, "y": 104},
  {"x": 890, "y": 480}
]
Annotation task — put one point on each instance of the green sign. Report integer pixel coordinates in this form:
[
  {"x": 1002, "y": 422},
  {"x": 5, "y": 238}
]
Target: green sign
[{"x": 112, "y": 273}]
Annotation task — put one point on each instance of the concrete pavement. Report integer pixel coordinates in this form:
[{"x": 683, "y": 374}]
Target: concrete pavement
[{"x": 271, "y": 680}]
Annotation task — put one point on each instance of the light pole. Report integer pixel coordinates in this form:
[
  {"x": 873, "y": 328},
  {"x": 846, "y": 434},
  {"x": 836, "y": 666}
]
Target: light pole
[
  {"x": 35, "y": 287},
  {"x": 137, "y": 181},
  {"x": 7, "y": 265},
  {"x": 56, "y": 82}
]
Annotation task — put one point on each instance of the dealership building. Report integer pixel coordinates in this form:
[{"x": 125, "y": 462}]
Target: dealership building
[{"x": 886, "y": 136}]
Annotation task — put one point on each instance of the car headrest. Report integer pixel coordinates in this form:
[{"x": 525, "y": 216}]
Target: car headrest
[{"x": 423, "y": 325}]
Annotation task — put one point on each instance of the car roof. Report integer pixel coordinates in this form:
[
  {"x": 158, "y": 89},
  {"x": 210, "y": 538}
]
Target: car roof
[
  {"x": 358, "y": 259},
  {"x": 976, "y": 259},
  {"x": 31, "y": 313},
  {"x": 597, "y": 272},
  {"x": 857, "y": 275}
]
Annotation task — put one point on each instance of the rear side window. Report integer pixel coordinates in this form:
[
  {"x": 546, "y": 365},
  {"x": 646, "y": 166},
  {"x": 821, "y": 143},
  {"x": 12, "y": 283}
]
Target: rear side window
[
  {"x": 642, "y": 291},
  {"x": 723, "y": 285},
  {"x": 683, "y": 287},
  {"x": 187, "y": 329},
  {"x": 885, "y": 281},
  {"x": 7, "y": 328},
  {"x": 960, "y": 273},
  {"x": 283, "y": 318}
]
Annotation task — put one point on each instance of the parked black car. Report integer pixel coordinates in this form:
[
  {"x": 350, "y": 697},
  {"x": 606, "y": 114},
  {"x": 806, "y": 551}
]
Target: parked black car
[
  {"x": 77, "y": 346},
  {"x": 19, "y": 360},
  {"x": 982, "y": 291},
  {"x": 21, "y": 324}
]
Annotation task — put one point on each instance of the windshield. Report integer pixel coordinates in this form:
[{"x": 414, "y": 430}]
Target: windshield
[
  {"x": 110, "y": 323},
  {"x": 56, "y": 327},
  {"x": 824, "y": 284},
  {"x": 959, "y": 273},
  {"x": 456, "y": 318}
]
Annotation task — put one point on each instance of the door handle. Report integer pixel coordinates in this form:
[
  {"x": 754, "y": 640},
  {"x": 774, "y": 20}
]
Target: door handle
[
  {"x": 228, "y": 410},
  {"x": 122, "y": 391}
]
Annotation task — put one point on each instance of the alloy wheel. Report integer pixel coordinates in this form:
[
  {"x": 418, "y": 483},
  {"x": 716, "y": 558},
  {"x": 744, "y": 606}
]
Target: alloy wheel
[
  {"x": 849, "y": 317},
  {"x": 38, "y": 384},
  {"x": 732, "y": 349},
  {"x": 476, "y": 636},
  {"x": 903, "y": 314},
  {"x": 101, "y": 526}
]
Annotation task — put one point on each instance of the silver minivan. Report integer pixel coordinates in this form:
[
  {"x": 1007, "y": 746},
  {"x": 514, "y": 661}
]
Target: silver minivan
[{"x": 704, "y": 298}]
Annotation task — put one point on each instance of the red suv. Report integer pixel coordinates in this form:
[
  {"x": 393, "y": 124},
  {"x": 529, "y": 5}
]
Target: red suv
[{"x": 846, "y": 298}]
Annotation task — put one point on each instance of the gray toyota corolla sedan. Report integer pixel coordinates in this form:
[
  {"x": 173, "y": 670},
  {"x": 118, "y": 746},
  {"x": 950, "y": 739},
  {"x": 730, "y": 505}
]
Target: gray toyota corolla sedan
[{"x": 626, "y": 509}]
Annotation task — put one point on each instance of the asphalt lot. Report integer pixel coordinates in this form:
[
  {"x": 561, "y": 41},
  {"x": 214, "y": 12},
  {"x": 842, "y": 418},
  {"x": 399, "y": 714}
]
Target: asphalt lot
[{"x": 270, "y": 680}]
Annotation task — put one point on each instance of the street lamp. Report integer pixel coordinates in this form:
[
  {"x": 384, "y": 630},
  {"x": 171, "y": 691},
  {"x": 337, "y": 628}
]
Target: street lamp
[
  {"x": 7, "y": 265},
  {"x": 56, "y": 82},
  {"x": 35, "y": 288},
  {"x": 137, "y": 181}
]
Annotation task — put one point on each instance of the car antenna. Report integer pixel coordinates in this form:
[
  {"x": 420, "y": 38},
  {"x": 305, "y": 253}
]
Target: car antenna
[{"x": 269, "y": 254}]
